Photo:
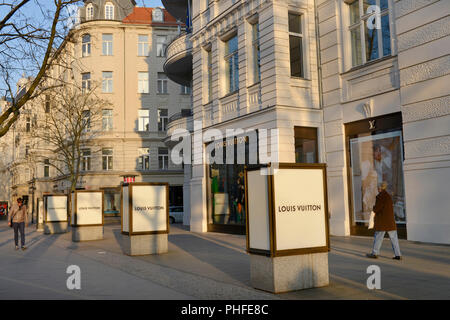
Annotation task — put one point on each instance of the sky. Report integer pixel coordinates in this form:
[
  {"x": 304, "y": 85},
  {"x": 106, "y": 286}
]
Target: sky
[{"x": 149, "y": 3}]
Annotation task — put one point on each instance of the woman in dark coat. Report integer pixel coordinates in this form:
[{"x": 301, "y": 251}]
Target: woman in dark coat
[{"x": 384, "y": 222}]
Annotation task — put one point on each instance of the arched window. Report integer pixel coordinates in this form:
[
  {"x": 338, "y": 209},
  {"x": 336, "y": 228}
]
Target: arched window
[
  {"x": 89, "y": 12},
  {"x": 109, "y": 11},
  {"x": 86, "y": 45}
]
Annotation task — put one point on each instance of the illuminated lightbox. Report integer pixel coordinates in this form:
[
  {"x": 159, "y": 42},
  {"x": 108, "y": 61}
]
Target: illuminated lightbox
[
  {"x": 87, "y": 208},
  {"x": 55, "y": 208},
  {"x": 145, "y": 208},
  {"x": 287, "y": 212}
]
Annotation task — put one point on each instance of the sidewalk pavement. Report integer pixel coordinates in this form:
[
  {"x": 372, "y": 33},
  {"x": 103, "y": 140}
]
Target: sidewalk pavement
[{"x": 206, "y": 266}]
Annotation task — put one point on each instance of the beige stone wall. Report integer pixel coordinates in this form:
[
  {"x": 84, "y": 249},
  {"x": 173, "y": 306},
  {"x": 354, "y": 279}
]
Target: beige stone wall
[
  {"x": 125, "y": 65},
  {"x": 423, "y": 32}
]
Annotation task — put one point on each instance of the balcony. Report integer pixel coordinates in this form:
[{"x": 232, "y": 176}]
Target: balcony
[
  {"x": 177, "y": 8},
  {"x": 178, "y": 65},
  {"x": 182, "y": 120}
]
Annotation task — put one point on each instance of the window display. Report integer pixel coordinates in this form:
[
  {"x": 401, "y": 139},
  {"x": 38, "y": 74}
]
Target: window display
[
  {"x": 374, "y": 159},
  {"x": 227, "y": 194},
  {"x": 226, "y": 187},
  {"x": 112, "y": 202}
]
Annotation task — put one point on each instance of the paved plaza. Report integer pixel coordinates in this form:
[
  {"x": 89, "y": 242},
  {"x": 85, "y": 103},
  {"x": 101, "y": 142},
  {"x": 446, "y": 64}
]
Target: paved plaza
[{"x": 205, "y": 266}]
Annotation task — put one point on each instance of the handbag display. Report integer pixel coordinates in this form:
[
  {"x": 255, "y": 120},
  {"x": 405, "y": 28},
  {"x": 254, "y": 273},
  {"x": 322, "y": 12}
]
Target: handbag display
[{"x": 371, "y": 220}]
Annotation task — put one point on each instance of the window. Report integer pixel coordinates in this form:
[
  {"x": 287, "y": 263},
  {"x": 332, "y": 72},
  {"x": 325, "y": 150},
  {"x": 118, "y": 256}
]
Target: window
[
  {"x": 226, "y": 185},
  {"x": 306, "y": 148},
  {"x": 112, "y": 202},
  {"x": 163, "y": 119},
  {"x": 86, "y": 122},
  {"x": 144, "y": 120},
  {"x": 163, "y": 158},
  {"x": 162, "y": 83},
  {"x": 27, "y": 149},
  {"x": 86, "y": 45},
  {"x": 376, "y": 157},
  {"x": 89, "y": 12},
  {"x": 107, "y": 44},
  {"x": 296, "y": 45},
  {"x": 256, "y": 53},
  {"x": 209, "y": 67},
  {"x": 185, "y": 90},
  {"x": 47, "y": 103},
  {"x": 46, "y": 168},
  {"x": 144, "y": 158},
  {"x": 107, "y": 159},
  {"x": 85, "y": 159},
  {"x": 143, "y": 48},
  {"x": 161, "y": 46},
  {"x": 28, "y": 124},
  {"x": 107, "y": 82},
  {"x": 369, "y": 41},
  {"x": 157, "y": 15},
  {"x": 143, "y": 82},
  {"x": 232, "y": 65},
  {"x": 107, "y": 120},
  {"x": 109, "y": 11},
  {"x": 86, "y": 81}
]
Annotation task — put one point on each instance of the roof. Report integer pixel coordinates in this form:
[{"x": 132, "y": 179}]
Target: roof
[{"x": 144, "y": 16}]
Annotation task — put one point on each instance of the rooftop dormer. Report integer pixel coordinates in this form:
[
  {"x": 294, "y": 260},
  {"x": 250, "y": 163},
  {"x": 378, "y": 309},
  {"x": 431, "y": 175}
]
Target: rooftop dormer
[{"x": 115, "y": 10}]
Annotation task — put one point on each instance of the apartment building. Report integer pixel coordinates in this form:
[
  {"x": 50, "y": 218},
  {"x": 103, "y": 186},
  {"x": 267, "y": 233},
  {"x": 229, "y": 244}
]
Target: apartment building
[
  {"x": 360, "y": 85},
  {"x": 119, "y": 50}
]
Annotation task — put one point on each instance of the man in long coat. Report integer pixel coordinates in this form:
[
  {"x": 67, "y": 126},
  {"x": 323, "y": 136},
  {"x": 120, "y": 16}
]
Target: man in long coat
[{"x": 384, "y": 222}]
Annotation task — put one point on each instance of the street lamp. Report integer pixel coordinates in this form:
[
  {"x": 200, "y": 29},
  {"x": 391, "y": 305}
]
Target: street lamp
[{"x": 31, "y": 190}]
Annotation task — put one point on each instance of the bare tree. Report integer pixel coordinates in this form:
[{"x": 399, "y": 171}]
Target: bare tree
[
  {"x": 73, "y": 120},
  {"x": 30, "y": 32}
]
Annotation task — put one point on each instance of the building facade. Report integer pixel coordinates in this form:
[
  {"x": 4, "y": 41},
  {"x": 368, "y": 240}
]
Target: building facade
[
  {"x": 118, "y": 50},
  {"x": 357, "y": 84},
  {"x": 386, "y": 113}
]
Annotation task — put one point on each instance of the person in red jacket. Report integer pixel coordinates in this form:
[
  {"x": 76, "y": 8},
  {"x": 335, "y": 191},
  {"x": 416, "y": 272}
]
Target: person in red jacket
[{"x": 384, "y": 222}]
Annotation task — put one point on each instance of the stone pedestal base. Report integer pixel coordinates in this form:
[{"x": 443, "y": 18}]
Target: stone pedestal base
[
  {"x": 55, "y": 227},
  {"x": 87, "y": 233},
  {"x": 290, "y": 273},
  {"x": 140, "y": 245},
  {"x": 40, "y": 227}
]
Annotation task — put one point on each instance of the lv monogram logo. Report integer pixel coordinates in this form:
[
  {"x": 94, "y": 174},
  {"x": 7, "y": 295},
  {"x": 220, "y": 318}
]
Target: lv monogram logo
[{"x": 371, "y": 124}]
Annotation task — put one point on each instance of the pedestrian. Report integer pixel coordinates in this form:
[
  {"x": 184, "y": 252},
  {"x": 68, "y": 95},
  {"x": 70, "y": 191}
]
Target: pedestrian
[
  {"x": 384, "y": 222},
  {"x": 19, "y": 219}
]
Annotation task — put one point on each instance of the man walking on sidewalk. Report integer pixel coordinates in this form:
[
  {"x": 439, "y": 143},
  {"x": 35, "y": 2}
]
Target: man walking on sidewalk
[
  {"x": 384, "y": 222},
  {"x": 19, "y": 218}
]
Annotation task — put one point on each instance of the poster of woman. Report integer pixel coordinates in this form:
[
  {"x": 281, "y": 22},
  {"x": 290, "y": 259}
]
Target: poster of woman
[{"x": 377, "y": 158}]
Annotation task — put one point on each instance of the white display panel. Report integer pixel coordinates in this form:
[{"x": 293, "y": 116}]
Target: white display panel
[
  {"x": 56, "y": 208},
  {"x": 89, "y": 208},
  {"x": 125, "y": 209},
  {"x": 149, "y": 208},
  {"x": 258, "y": 211},
  {"x": 299, "y": 208}
]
